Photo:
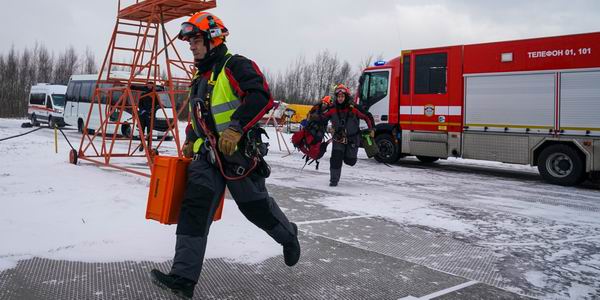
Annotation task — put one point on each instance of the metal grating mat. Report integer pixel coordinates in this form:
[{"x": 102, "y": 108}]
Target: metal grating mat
[
  {"x": 415, "y": 245},
  {"x": 328, "y": 270}
]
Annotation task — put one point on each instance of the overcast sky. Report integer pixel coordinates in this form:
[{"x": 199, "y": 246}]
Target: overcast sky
[{"x": 276, "y": 32}]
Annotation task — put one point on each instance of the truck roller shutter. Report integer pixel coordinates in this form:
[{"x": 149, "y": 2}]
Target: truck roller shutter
[
  {"x": 580, "y": 103},
  {"x": 514, "y": 101}
]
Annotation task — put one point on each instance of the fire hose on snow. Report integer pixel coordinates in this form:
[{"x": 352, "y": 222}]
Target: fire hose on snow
[{"x": 56, "y": 130}]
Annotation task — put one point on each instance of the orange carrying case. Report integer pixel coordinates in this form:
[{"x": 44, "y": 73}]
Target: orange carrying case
[{"x": 167, "y": 186}]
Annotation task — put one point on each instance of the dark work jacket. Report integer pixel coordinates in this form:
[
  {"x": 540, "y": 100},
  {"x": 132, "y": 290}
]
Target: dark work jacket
[
  {"x": 348, "y": 116},
  {"x": 145, "y": 103},
  {"x": 248, "y": 83}
]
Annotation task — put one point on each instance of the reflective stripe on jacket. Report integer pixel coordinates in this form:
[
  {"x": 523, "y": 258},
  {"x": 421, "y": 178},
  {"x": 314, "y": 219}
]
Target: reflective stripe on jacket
[{"x": 223, "y": 103}]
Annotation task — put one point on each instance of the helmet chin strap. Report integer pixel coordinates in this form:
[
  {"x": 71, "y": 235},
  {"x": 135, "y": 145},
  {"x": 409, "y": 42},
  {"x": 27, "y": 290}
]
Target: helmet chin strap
[{"x": 207, "y": 46}]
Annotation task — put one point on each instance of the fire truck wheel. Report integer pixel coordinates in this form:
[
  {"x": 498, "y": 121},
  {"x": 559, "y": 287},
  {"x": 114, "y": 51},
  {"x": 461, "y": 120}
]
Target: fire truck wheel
[
  {"x": 562, "y": 165},
  {"x": 389, "y": 151},
  {"x": 73, "y": 156},
  {"x": 427, "y": 159}
]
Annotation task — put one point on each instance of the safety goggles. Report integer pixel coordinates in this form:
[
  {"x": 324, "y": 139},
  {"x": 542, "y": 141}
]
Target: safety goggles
[
  {"x": 188, "y": 31},
  {"x": 340, "y": 91}
]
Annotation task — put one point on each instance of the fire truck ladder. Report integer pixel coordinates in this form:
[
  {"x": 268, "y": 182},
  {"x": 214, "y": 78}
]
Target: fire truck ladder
[{"x": 134, "y": 58}]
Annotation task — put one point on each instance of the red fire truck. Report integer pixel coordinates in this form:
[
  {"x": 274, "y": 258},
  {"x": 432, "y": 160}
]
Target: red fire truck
[{"x": 533, "y": 101}]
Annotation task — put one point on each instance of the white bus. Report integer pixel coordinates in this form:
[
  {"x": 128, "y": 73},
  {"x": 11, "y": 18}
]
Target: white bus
[
  {"x": 80, "y": 91},
  {"x": 46, "y": 104}
]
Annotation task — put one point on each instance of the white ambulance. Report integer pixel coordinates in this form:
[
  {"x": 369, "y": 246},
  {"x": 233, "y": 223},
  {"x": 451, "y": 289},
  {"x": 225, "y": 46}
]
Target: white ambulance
[{"x": 47, "y": 104}]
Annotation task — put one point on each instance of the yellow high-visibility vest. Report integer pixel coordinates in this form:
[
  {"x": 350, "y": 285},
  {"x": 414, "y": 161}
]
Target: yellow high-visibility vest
[{"x": 223, "y": 103}]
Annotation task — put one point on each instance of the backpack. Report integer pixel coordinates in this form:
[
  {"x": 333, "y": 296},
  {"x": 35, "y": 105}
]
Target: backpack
[{"x": 309, "y": 141}]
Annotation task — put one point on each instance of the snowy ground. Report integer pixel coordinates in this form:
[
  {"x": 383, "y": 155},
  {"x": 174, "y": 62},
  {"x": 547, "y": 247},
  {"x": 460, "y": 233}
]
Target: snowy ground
[{"x": 544, "y": 239}]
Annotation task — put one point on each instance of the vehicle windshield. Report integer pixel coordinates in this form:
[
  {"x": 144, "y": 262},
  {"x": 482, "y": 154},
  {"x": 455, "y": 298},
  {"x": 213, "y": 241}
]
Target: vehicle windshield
[
  {"x": 58, "y": 100},
  {"x": 165, "y": 100},
  {"x": 373, "y": 87}
]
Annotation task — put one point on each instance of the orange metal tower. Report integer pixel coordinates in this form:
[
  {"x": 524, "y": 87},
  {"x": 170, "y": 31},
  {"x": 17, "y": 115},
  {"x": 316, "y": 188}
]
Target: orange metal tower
[{"x": 139, "y": 47}]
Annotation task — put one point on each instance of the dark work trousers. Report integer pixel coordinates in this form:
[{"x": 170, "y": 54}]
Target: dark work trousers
[
  {"x": 342, "y": 153},
  {"x": 205, "y": 185},
  {"x": 145, "y": 122}
]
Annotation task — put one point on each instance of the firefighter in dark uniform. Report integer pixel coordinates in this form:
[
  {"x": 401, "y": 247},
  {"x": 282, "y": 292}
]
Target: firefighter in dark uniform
[
  {"x": 146, "y": 109},
  {"x": 345, "y": 119},
  {"x": 229, "y": 96}
]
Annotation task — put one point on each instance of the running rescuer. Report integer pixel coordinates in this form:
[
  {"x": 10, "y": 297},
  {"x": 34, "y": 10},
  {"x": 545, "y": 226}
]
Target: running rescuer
[{"x": 229, "y": 96}]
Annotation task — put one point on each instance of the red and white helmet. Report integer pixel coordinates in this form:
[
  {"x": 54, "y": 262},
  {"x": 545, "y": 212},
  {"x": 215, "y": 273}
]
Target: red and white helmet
[{"x": 340, "y": 88}]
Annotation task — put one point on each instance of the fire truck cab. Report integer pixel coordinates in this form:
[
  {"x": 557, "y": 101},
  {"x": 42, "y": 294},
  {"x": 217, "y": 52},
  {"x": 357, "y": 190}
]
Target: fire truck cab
[{"x": 534, "y": 101}]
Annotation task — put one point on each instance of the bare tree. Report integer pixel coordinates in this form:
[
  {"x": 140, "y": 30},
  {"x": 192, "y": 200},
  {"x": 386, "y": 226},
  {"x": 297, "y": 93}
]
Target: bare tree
[
  {"x": 293, "y": 81},
  {"x": 333, "y": 66},
  {"x": 24, "y": 83},
  {"x": 9, "y": 85},
  {"x": 365, "y": 62},
  {"x": 32, "y": 70},
  {"x": 19, "y": 70},
  {"x": 89, "y": 65},
  {"x": 3, "y": 89},
  {"x": 307, "y": 82},
  {"x": 2, "y": 67},
  {"x": 345, "y": 75},
  {"x": 273, "y": 84},
  {"x": 45, "y": 64},
  {"x": 321, "y": 85},
  {"x": 277, "y": 87},
  {"x": 66, "y": 66}
]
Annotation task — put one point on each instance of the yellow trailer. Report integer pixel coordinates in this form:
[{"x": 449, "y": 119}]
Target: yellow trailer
[{"x": 301, "y": 111}]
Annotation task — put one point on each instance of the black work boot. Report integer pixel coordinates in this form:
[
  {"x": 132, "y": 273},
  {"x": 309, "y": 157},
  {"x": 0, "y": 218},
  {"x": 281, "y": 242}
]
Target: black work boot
[
  {"x": 334, "y": 177},
  {"x": 291, "y": 250},
  {"x": 181, "y": 287}
]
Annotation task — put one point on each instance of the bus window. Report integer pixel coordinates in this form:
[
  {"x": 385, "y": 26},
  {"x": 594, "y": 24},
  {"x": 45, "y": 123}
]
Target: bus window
[
  {"x": 86, "y": 90},
  {"x": 73, "y": 94},
  {"x": 103, "y": 92},
  {"x": 70, "y": 88}
]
